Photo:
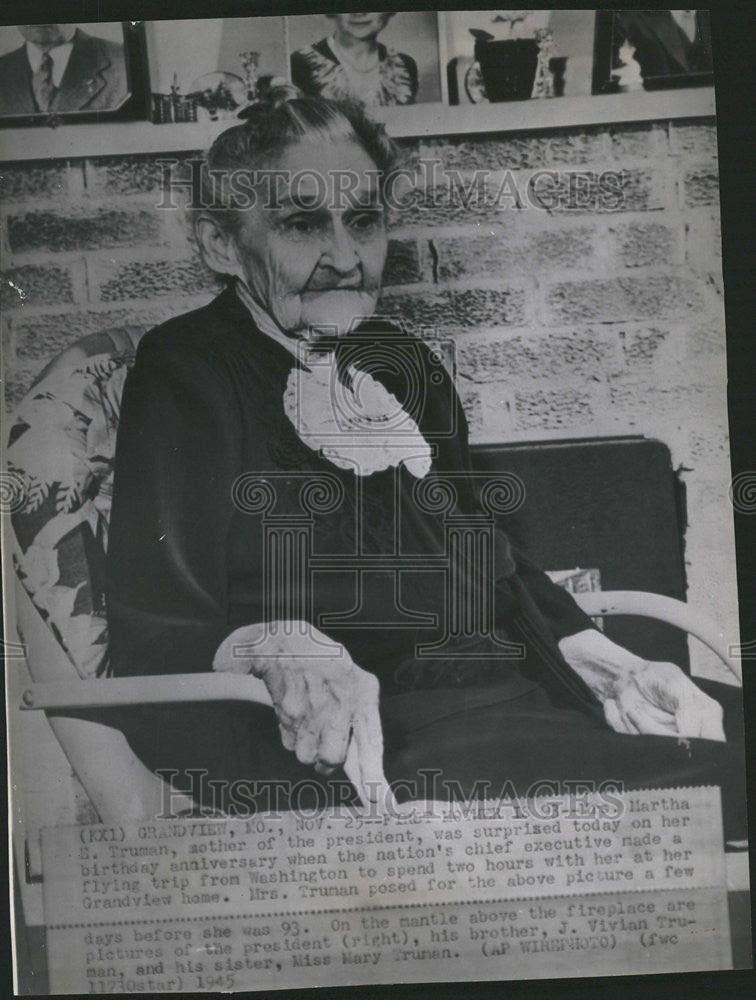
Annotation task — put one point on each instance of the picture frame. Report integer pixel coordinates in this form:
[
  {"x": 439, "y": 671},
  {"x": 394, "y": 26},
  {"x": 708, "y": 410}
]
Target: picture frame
[
  {"x": 103, "y": 80},
  {"x": 589, "y": 96},
  {"x": 651, "y": 50},
  {"x": 209, "y": 69},
  {"x": 495, "y": 57},
  {"x": 408, "y": 57}
]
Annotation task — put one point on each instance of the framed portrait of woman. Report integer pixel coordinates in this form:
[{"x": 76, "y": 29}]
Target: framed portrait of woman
[
  {"x": 52, "y": 73},
  {"x": 651, "y": 50},
  {"x": 381, "y": 59}
]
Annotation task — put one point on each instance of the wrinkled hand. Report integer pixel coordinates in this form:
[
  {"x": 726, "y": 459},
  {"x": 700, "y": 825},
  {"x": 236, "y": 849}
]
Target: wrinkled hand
[
  {"x": 327, "y": 707},
  {"x": 659, "y": 699}
]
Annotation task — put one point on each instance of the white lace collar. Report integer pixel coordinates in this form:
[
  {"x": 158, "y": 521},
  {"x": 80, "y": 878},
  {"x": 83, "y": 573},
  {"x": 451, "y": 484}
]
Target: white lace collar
[{"x": 356, "y": 424}]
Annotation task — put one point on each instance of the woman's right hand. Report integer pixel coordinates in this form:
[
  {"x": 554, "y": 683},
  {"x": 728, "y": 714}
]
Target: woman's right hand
[{"x": 327, "y": 707}]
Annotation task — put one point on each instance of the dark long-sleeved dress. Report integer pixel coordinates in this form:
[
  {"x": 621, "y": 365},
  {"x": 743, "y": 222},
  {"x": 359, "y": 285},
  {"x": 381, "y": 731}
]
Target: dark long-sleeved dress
[{"x": 193, "y": 555}]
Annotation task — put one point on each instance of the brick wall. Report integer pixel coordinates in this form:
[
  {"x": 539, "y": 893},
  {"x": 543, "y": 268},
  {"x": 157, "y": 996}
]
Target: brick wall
[{"x": 568, "y": 324}]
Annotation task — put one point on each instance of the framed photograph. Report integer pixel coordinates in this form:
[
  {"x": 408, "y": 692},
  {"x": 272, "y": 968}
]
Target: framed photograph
[
  {"x": 380, "y": 58},
  {"x": 651, "y": 50},
  {"x": 207, "y": 69},
  {"x": 71, "y": 72},
  {"x": 510, "y": 55}
]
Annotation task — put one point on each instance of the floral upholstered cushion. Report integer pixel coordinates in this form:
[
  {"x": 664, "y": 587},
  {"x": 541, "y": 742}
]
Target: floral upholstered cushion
[{"x": 60, "y": 458}]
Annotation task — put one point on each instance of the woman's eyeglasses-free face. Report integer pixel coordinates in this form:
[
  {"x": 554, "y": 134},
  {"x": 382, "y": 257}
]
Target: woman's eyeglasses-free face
[{"x": 312, "y": 260}]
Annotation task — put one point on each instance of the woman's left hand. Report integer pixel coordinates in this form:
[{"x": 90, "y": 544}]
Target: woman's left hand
[
  {"x": 642, "y": 696},
  {"x": 659, "y": 699}
]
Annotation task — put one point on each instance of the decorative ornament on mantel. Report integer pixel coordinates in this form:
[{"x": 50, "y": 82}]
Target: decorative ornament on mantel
[
  {"x": 544, "y": 81},
  {"x": 627, "y": 75},
  {"x": 516, "y": 67},
  {"x": 251, "y": 63}
]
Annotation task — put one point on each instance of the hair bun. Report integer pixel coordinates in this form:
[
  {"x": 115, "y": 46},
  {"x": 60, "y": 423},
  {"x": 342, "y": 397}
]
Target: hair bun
[{"x": 272, "y": 93}]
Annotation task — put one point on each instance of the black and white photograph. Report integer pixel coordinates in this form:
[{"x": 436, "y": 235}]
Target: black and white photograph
[
  {"x": 208, "y": 70},
  {"x": 65, "y": 70},
  {"x": 368, "y": 508},
  {"x": 652, "y": 49},
  {"x": 500, "y": 55},
  {"x": 380, "y": 59}
]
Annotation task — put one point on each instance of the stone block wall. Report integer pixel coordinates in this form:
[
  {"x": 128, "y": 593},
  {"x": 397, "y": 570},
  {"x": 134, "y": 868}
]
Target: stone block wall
[{"x": 603, "y": 318}]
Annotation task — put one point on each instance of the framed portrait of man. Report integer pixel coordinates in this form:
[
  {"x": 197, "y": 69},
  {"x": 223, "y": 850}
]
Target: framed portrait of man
[
  {"x": 651, "y": 50},
  {"x": 54, "y": 72}
]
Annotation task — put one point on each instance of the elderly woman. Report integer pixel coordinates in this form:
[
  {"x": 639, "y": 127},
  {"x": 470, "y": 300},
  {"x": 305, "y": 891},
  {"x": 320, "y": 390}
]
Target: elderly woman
[{"x": 284, "y": 380}]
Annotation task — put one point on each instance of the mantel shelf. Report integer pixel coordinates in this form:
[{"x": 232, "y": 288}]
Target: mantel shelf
[{"x": 421, "y": 120}]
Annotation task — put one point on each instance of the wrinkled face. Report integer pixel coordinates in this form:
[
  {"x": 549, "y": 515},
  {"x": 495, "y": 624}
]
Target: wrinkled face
[
  {"x": 360, "y": 26},
  {"x": 47, "y": 35},
  {"x": 312, "y": 256}
]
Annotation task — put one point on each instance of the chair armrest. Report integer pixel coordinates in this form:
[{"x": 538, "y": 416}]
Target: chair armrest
[
  {"x": 167, "y": 688},
  {"x": 149, "y": 690},
  {"x": 122, "y": 790},
  {"x": 666, "y": 609}
]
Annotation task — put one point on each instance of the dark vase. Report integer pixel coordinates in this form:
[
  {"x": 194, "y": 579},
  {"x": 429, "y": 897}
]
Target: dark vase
[
  {"x": 508, "y": 67},
  {"x": 558, "y": 68}
]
